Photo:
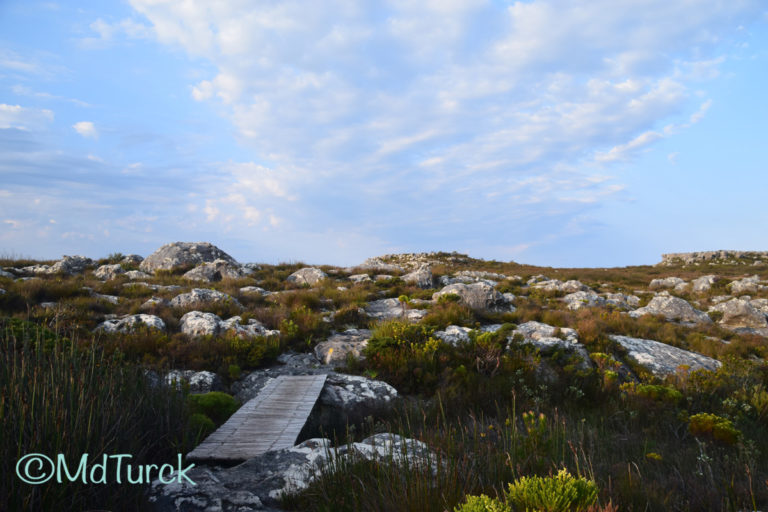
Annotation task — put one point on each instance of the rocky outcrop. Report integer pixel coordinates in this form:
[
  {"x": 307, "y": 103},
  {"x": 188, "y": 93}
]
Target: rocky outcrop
[
  {"x": 198, "y": 382},
  {"x": 254, "y": 290},
  {"x": 547, "y": 338},
  {"x": 454, "y": 335},
  {"x": 199, "y": 296},
  {"x": 738, "y": 313},
  {"x": 68, "y": 265},
  {"x": 662, "y": 359},
  {"x": 703, "y": 284},
  {"x": 198, "y": 323},
  {"x": 131, "y": 323},
  {"x": 555, "y": 285},
  {"x": 388, "y": 309},
  {"x": 181, "y": 254},
  {"x": 622, "y": 301},
  {"x": 134, "y": 275},
  {"x": 672, "y": 308},
  {"x": 154, "y": 302},
  {"x": 336, "y": 349},
  {"x": 478, "y": 295},
  {"x": 666, "y": 282},
  {"x": 726, "y": 257},
  {"x": 307, "y": 276},
  {"x": 132, "y": 259},
  {"x": 360, "y": 278},
  {"x": 578, "y": 300},
  {"x": 422, "y": 277},
  {"x": 750, "y": 284},
  {"x": 6, "y": 275},
  {"x": 107, "y": 272},
  {"x": 216, "y": 271},
  {"x": 259, "y": 482},
  {"x": 379, "y": 265}
]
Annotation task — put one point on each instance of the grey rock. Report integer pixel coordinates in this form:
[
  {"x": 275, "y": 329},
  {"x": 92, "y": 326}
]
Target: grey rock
[
  {"x": 197, "y": 323},
  {"x": 199, "y": 382},
  {"x": 338, "y": 347},
  {"x": 720, "y": 298},
  {"x": 107, "y": 272},
  {"x": 179, "y": 254},
  {"x": 132, "y": 259},
  {"x": 738, "y": 313},
  {"x": 254, "y": 290},
  {"x": 71, "y": 265},
  {"x": 131, "y": 323},
  {"x": 622, "y": 301},
  {"x": 252, "y": 329},
  {"x": 760, "y": 305},
  {"x": 360, "y": 278},
  {"x": 662, "y": 359},
  {"x": 582, "y": 299},
  {"x": 479, "y": 296},
  {"x": 387, "y": 309},
  {"x": 554, "y": 285},
  {"x": 383, "y": 277},
  {"x": 746, "y": 285},
  {"x": 377, "y": 264},
  {"x": 667, "y": 282},
  {"x": 454, "y": 335},
  {"x": 6, "y": 275},
  {"x": 199, "y": 296},
  {"x": 155, "y": 302},
  {"x": 112, "y": 299},
  {"x": 422, "y": 277},
  {"x": 546, "y": 338},
  {"x": 2, "y": 292},
  {"x": 672, "y": 308},
  {"x": 136, "y": 274},
  {"x": 704, "y": 283},
  {"x": 216, "y": 271},
  {"x": 307, "y": 276}
]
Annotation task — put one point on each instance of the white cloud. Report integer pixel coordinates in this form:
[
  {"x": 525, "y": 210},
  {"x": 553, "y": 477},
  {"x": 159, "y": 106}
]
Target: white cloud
[
  {"x": 24, "y": 118},
  {"x": 86, "y": 129}
]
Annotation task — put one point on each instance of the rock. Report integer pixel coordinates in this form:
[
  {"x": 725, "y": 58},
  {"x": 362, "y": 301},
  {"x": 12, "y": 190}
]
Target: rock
[
  {"x": 199, "y": 382},
  {"x": 2, "y": 292},
  {"x": 68, "y": 265},
  {"x": 131, "y": 323},
  {"x": 472, "y": 276},
  {"x": 377, "y": 264},
  {"x": 216, "y": 271},
  {"x": 622, "y": 301},
  {"x": 6, "y": 275},
  {"x": 387, "y": 309},
  {"x": 539, "y": 278},
  {"x": 479, "y": 296},
  {"x": 723, "y": 257},
  {"x": 554, "y": 285},
  {"x": 746, "y": 285},
  {"x": 338, "y": 347},
  {"x": 132, "y": 259},
  {"x": 260, "y": 482},
  {"x": 582, "y": 299},
  {"x": 154, "y": 302},
  {"x": 545, "y": 335},
  {"x": 360, "y": 278},
  {"x": 738, "y": 313},
  {"x": 454, "y": 335},
  {"x": 107, "y": 272},
  {"x": 667, "y": 282},
  {"x": 136, "y": 274},
  {"x": 383, "y": 277},
  {"x": 202, "y": 296},
  {"x": 254, "y": 290},
  {"x": 662, "y": 359},
  {"x": 421, "y": 277},
  {"x": 112, "y": 299},
  {"x": 180, "y": 254},
  {"x": 477, "y": 274},
  {"x": 197, "y": 323},
  {"x": 760, "y": 305},
  {"x": 307, "y": 276},
  {"x": 672, "y": 308},
  {"x": 720, "y": 298},
  {"x": 704, "y": 283},
  {"x": 252, "y": 329}
]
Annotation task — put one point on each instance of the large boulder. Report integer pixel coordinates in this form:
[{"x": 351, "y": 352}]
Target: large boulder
[
  {"x": 308, "y": 275},
  {"x": 388, "y": 309},
  {"x": 739, "y": 313},
  {"x": 672, "y": 308},
  {"x": 202, "y": 296},
  {"x": 662, "y": 359},
  {"x": 107, "y": 272},
  {"x": 131, "y": 323},
  {"x": 703, "y": 284},
  {"x": 422, "y": 277},
  {"x": 338, "y": 347},
  {"x": 198, "y": 323},
  {"x": 180, "y": 254},
  {"x": 478, "y": 295},
  {"x": 746, "y": 285},
  {"x": 216, "y": 271}
]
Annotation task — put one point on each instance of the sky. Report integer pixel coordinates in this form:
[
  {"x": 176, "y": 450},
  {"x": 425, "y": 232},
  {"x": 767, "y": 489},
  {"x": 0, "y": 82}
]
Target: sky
[{"x": 570, "y": 133}]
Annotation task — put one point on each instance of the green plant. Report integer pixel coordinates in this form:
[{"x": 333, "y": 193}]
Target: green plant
[
  {"x": 559, "y": 493},
  {"x": 482, "y": 503},
  {"x": 710, "y": 426},
  {"x": 216, "y": 405}
]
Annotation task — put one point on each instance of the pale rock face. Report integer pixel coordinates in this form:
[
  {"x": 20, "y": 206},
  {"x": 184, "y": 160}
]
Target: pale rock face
[
  {"x": 472, "y": 276},
  {"x": 131, "y": 323},
  {"x": 252, "y": 329},
  {"x": 578, "y": 300},
  {"x": 454, "y": 335},
  {"x": 672, "y": 308},
  {"x": 387, "y": 309},
  {"x": 747, "y": 285},
  {"x": 199, "y": 382},
  {"x": 178, "y": 254},
  {"x": 704, "y": 283},
  {"x": 421, "y": 277},
  {"x": 197, "y": 323},
  {"x": 254, "y": 290},
  {"x": 154, "y": 302},
  {"x": 622, "y": 301},
  {"x": 379, "y": 265},
  {"x": 216, "y": 271},
  {"x": 360, "y": 278},
  {"x": 202, "y": 296},
  {"x": 554, "y": 285},
  {"x": 667, "y": 282},
  {"x": 309, "y": 276},
  {"x": 738, "y": 313},
  {"x": 132, "y": 259},
  {"x": 543, "y": 337},
  {"x": 136, "y": 274},
  {"x": 478, "y": 295},
  {"x": 68, "y": 265},
  {"x": 338, "y": 347},
  {"x": 107, "y": 272},
  {"x": 347, "y": 392},
  {"x": 760, "y": 305},
  {"x": 662, "y": 359}
]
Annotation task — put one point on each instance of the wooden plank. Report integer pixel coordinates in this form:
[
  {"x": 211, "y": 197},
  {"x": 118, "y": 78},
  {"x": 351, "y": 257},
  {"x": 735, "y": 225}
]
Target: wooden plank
[{"x": 270, "y": 421}]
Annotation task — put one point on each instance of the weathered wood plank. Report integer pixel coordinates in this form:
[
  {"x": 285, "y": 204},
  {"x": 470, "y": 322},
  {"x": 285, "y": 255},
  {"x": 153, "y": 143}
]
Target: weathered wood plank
[{"x": 270, "y": 421}]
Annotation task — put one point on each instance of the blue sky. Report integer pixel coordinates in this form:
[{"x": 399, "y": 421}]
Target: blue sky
[{"x": 552, "y": 132}]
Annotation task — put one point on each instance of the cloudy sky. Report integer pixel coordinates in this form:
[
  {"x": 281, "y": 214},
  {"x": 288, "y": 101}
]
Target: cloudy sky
[{"x": 553, "y": 132}]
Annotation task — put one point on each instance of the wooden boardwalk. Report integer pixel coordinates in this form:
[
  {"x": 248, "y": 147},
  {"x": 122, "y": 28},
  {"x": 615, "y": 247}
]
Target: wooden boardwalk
[{"x": 271, "y": 421}]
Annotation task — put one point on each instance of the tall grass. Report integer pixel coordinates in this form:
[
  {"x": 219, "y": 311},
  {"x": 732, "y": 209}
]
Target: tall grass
[{"x": 61, "y": 399}]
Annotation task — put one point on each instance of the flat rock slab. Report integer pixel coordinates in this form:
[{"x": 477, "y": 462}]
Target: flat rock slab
[{"x": 271, "y": 421}]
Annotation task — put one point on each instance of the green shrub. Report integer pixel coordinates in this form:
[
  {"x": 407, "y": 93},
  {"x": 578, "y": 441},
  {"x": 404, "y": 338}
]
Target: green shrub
[
  {"x": 711, "y": 426},
  {"x": 559, "y": 493},
  {"x": 216, "y": 405},
  {"x": 483, "y": 503}
]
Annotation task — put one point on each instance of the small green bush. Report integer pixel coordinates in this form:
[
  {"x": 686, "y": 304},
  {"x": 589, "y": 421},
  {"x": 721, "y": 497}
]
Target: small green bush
[
  {"x": 216, "y": 405},
  {"x": 712, "y": 426},
  {"x": 559, "y": 493},
  {"x": 482, "y": 503}
]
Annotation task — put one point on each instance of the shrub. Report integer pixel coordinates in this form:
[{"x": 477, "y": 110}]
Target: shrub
[
  {"x": 559, "y": 493},
  {"x": 215, "y": 405},
  {"x": 711, "y": 426},
  {"x": 483, "y": 503}
]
